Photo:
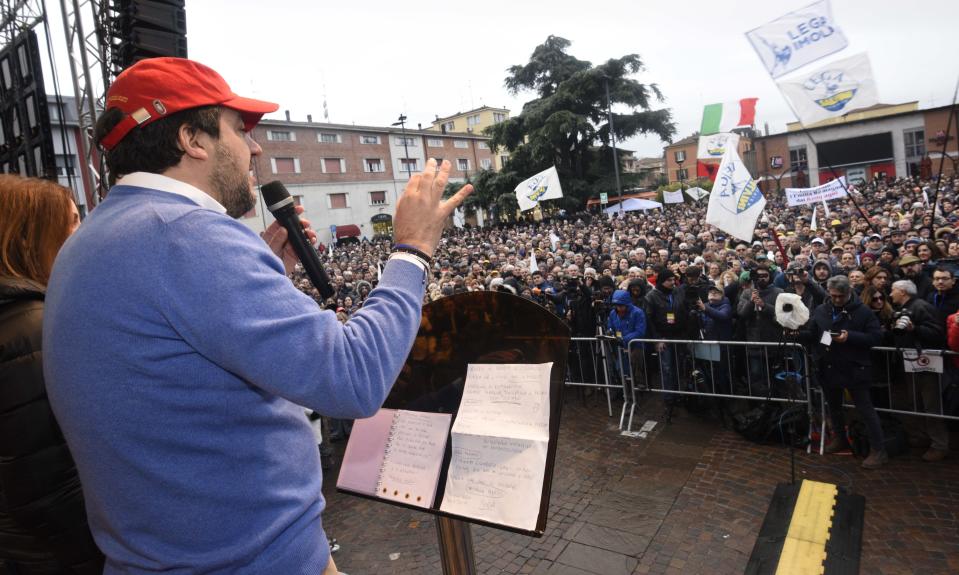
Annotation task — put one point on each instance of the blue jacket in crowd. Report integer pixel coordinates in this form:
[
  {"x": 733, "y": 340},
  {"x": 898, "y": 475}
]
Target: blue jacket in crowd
[
  {"x": 630, "y": 327},
  {"x": 718, "y": 321}
]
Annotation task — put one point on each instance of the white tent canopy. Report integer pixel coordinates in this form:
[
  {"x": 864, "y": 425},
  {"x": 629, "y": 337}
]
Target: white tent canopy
[{"x": 633, "y": 204}]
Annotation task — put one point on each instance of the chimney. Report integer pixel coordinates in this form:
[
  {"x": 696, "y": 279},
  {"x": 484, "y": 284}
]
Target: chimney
[
  {"x": 419, "y": 126},
  {"x": 767, "y": 128},
  {"x": 309, "y": 118},
  {"x": 287, "y": 112}
]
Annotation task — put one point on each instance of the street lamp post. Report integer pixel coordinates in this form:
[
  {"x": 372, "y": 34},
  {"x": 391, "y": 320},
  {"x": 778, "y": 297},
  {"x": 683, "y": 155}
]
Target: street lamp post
[
  {"x": 680, "y": 156},
  {"x": 406, "y": 149}
]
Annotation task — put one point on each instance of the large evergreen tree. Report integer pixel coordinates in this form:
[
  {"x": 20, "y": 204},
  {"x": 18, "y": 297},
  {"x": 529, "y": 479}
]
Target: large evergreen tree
[{"x": 567, "y": 124}]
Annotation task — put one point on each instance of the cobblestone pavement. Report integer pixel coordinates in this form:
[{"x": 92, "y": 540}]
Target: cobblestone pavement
[{"x": 689, "y": 499}]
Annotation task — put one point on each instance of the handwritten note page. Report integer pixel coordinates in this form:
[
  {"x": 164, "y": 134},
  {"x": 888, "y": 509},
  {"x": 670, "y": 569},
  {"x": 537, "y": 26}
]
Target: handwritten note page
[
  {"x": 411, "y": 468},
  {"x": 499, "y": 442}
]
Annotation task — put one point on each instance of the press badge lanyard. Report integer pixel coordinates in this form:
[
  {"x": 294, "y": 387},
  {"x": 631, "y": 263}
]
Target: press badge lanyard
[{"x": 670, "y": 316}]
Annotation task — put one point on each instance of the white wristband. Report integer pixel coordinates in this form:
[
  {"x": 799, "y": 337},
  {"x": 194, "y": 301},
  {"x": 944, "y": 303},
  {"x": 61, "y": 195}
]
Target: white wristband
[{"x": 408, "y": 257}]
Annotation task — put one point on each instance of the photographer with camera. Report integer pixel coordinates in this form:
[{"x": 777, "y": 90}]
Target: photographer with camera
[
  {"x": 798, "y": 282},
  {"x": 667, "y": 319},
  {"x": 756, "y": 312},
  {"x": 842, "y": 331},
  {"x": 917, "y": 326},
  {"x": 578, "y": 301}
]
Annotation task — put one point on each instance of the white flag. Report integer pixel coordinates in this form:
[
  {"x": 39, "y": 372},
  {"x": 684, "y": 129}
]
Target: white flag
[
  {"x": 331, "y": 249},
  {"x": 379, "y": 271},
  {"x": 833, "y": 90},
  {"x": 925, "y": 198},
  {"x": 812, "y": 224},
  {"x": 673, "y": 197},
  {"x": 533, "y": 266},
  {"x": 543, "y": 186},
  {"x": 697, "y": 193},
  {"x": 553, "y": 240},
  {"x": 797, "y": 38},
  {"x": 459, "y": 218},
  {"x": 735, "y": 202},
  {"x": 825, "y": 208},
  {"x": 614, "y": 237},
  {"x": 713, "y": 146}
]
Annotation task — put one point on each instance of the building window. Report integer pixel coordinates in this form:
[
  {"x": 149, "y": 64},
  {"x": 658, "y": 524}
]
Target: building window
[
  {"x": 369, "y": 139},
  {"x": 377, "y": 198},
  {"x": 461, "y": 144},
  {"x": 405, "y": 141},
  {"x": 434, "y": 142},
  {"x": 64, "y": 165},
  {"x": 797, "y": 160},
  {"x": 679, "y": 156},
  {"x": 373, "y": 165},
  {"x": 473, "y": 120},
  {"x": 409, "y": 165},
  {"x": 333, "y": 165},
  {"x": 498, "y": 117},
  {"x": 285, "y": 165},
  {"x": 448, "y": 126},
  {"x": 503, "y": 160},
  {"x": 682, "y": 174},
  {"x": 462, "y": 164},
  {"x": 328, "y": 138},
  {"x": 280, "y": 136},
  {"x": 338, "y": 201},
  {"x": 482, "y": 145},
  {"x": 915, "y": 143},
  {"x": 486, "y": 163}
]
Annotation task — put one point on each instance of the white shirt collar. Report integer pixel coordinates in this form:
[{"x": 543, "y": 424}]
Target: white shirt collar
[{"x": 172, "y": 186}]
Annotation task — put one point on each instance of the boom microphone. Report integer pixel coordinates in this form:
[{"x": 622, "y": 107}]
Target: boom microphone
[{"x": 280, "y": 204}]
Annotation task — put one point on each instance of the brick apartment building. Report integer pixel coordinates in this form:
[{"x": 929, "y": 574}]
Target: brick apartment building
[
  {"x": 679, "y": 158},
  {"x": 474, "y": 122},
  {"x": 350, "y": 176}
]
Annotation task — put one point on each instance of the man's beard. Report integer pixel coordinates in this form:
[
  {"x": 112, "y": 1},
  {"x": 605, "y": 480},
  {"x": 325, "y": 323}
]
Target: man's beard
[{"x": 231, "y": 184}]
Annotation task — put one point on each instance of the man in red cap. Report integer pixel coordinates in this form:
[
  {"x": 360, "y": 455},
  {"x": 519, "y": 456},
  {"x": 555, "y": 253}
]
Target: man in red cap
[{"x": 178, "y": 353}]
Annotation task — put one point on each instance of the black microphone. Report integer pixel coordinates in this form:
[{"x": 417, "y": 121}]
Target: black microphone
[{"x": 280, "y": 204}]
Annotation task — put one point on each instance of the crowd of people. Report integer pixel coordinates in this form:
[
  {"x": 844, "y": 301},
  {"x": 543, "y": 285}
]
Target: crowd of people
[{"x": 892, "y": 250}]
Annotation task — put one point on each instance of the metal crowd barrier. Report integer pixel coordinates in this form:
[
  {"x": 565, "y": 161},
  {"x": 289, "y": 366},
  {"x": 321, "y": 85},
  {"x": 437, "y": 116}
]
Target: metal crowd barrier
[
  {"x": 913, "y": 381},
  {"x": 594, "y": 363},
  {"x": 759, "y": 371}
]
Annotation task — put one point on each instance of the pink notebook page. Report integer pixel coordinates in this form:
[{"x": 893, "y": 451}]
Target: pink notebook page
[{"x": 364, "y": 455}]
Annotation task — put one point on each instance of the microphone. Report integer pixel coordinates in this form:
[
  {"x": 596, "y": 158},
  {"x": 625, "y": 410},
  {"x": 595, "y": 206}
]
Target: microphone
[{"x": 280, "y": 204}]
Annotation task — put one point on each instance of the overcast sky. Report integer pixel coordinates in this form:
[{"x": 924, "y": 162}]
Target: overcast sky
[{"x": 379, "y": 58}]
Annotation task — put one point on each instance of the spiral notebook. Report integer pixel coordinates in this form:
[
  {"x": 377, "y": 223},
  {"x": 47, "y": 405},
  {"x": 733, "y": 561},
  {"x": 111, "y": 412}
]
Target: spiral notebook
[{"x": 396, "y": 455}]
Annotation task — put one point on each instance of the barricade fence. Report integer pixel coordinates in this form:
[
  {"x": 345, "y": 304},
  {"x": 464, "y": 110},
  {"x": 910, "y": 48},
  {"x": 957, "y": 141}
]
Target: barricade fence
[
  {"x": 923, "y": 383},
  {"x": 914, "y": 382}
]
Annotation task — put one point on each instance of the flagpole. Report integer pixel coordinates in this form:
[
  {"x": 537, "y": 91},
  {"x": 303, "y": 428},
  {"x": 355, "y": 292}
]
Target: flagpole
[
  {"x": 779, "y": 245},
  {"x": 945, "y": 145}
]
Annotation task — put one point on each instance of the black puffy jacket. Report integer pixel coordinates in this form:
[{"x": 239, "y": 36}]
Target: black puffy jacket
[
  {"x": 847, "y": 364},
  {"x": 43, "y": 523}
]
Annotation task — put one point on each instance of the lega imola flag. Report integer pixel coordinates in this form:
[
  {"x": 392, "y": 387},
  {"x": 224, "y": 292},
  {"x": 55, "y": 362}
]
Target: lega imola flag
[{"x": 797, "y": 38}]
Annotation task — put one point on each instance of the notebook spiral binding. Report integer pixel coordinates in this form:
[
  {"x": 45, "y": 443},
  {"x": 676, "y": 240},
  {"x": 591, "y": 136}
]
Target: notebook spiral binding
[{"x": 380, "y": 490}]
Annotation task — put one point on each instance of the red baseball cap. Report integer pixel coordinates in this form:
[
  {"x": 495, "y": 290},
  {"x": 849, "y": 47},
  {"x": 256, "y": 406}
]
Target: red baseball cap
[{"x": 156, "y": 87}]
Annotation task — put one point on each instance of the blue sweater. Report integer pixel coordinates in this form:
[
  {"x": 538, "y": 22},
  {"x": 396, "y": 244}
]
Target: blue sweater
[{"x": 177, "y": 354}]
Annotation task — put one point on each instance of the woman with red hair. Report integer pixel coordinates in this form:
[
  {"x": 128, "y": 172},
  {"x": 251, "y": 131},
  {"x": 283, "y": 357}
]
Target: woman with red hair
[{"x": 43, "y": 524}]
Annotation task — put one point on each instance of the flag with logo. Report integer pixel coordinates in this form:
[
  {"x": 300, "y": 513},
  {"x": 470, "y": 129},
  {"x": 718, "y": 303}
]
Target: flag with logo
[
  {"x": 735, "y": 203},
  {"x": 543, "y": 186},
  {"x": 533, "y": 266},
  {"x": 728, "y": 116},
  {"x": 697, "y": 193},
  {"x": 459, "y": 217},
  {"x": 797, "y": 38},
  {"x": 713, "y": 146},
  {"x": 832, "y": 90},
  {"x": 673, "y": 197}
]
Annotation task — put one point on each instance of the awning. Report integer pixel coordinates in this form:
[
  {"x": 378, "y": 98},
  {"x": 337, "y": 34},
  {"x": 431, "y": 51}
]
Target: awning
[
  {"x": 347, "y": 231},
  {"x": 633, "y": 204}
]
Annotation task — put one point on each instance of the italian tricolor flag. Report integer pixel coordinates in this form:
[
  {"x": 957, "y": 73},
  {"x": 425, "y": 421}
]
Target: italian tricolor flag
[{"x": 727, "y": 116}]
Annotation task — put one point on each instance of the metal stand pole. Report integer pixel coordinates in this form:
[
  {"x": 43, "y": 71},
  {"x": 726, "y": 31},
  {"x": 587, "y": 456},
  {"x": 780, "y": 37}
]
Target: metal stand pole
[{"x": 456, "y": 546}]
